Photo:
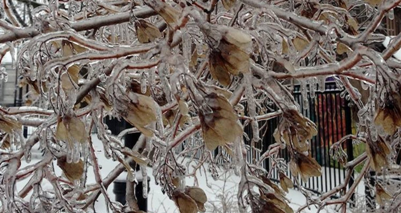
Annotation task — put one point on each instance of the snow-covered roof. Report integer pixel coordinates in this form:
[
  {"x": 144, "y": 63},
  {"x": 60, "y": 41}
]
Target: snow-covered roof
[{"x": 386, "y": 42}]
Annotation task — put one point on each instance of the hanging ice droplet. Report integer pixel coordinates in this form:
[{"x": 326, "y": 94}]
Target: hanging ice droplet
[
  {"x": 70, "y": 154},
  {"x": 390, "y": 14}
]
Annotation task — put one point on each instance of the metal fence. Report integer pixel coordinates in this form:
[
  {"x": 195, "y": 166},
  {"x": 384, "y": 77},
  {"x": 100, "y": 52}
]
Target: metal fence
[{"x": 332, "y": 115}]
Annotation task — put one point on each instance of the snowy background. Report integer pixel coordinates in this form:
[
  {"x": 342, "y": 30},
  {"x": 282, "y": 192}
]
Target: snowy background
[{"x": 217, "y": 190}]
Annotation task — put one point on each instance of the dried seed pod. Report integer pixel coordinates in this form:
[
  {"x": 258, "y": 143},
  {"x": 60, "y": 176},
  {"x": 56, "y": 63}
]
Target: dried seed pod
[
  {"x": 389, "y": 114},
  {"x": 268, "y": 182},
  {"x": 278, "y": 201},
  {"x": 285, "y": 182},
  {"x": 231, "y": 56},
  {"x": 381, "y": 194},
  {"x": 305, "y": 166},
  {"x": 73, "y": 171},
  {"x": 215, "y": 122},
  {"x": 9, "y": 124},
  {"x": 184, "y": 202},
  {"x": 140, "y": 113},
  {"x": 196, "y": 193},
  {"x": 71, "y": 129},
  {"x": 295, "y": 130},
  {"x": 146, "y": 32},
  {"x": 228, "y": 4},
  {"x": 378, "y": 152}
]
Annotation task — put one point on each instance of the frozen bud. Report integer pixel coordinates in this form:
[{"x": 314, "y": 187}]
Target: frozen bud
[
  {"x": 184, "y": 202},
  {"x": 9, "y": 124},
  {"x": 198, "y": 195},
  {"x": 71, "y": 129},
  {"x": 146, "y": 31},
  {"x": 214, "y": 124},
  {"x": 73, "y": 171},
  {"x": 305, "y": 166},
  {"x": 285, "y": 182},
  {"x": 378, "y": 152}
]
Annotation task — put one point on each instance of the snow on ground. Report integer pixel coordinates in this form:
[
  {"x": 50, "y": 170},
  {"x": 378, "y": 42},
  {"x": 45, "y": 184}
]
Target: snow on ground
[{"x": 217, "y": 190}]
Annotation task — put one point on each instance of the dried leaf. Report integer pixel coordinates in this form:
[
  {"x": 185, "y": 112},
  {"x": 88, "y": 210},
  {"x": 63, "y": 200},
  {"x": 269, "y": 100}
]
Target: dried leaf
[
  {"x": 228, "y": 4},
  {"x": 268, "y": 182},
  {"x": 378, "y": 152},
  {"x": 196, "y": 194},
  {"x": 184, "y": 203},
  {"x": 183, "y": 106},
  {"x": 136, "y": 156},
  {"x": 278, "y": 201},
  {"x": 9, "y": 124},
  {"x": 169, "y": 14},
  {"x": 219, "y": 69},
  {"x": 342, "y": 48},
  {"x": 374, "y": 3},
  {"x": 285, "y": 182},
  {"x": 141, "y": 113},
  {"x": 389, "y": 114},
  {"x": 146, "y": 31},
  {"x": 382, "y": 195},
  {"x": 300, "y": 43},
  {"x": 284, "y": 47},
  {"x": 305, "y": 166},
  {"x": 71, "y": 129},
  {"x": 215, "y": 122},
  {"x": 237, "y": 38},
  {"x": 5, "y": 141},
  {"x": 295, "y": 130},
  {"x": 73, "y": 171}
]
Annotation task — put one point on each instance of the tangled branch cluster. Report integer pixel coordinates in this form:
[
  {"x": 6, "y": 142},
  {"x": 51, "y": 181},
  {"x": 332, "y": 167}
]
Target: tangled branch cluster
[{"x": 190, "y": 76}]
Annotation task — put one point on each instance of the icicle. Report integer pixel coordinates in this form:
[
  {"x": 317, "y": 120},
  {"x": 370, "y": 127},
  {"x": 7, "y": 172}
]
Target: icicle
[
  {"x": 304, "y": 94},
  {"x": 186, "y": 46},
  {"x": 27, "y": 155},
  {"x": 143, "y": 83},
  {"x": 312, "y": 87},
  {"x": 322, "y": 84},
  {"x": 70, "y": 153},
  {"x": 390, "y": 14},
  {"x": 76, "y": 155},
  {"x": 144, "y": 181}
]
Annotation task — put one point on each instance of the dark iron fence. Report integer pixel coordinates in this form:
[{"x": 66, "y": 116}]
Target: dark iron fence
[{"x": 332, "y": 115}]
